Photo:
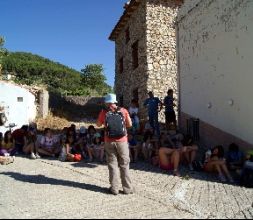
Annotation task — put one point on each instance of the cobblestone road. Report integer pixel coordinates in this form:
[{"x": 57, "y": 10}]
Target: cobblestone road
[{"x": 51, "y": 189}]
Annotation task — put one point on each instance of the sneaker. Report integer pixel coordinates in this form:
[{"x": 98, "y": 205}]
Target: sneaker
[
  {"x": 113, "y": 192},
  {"x": 132, "y": 191},
  {"x": 222, "y": 178},
  {"x": 37, "y": 156},
  {"x": 191, "y": 167},
  {"x": 33, "y": 157}
]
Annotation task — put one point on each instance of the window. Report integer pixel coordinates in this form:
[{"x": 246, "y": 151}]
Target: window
[
  {"x": 121, "y": 65},
  {"x": 135, "y": 55},
  {"x": 136, "y": 96},
  {"x": 20, "y": 99},
  {"x": 127, "y": 35}
]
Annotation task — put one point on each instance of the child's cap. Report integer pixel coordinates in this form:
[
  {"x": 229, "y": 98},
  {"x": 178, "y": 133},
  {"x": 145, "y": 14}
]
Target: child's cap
[{"x": 83, "y": 130}]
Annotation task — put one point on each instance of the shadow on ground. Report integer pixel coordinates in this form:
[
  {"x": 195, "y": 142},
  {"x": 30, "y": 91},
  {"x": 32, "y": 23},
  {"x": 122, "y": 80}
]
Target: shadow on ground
[
  {"x": 185, "y": 173},
  {"x": 43, "y": 180}
]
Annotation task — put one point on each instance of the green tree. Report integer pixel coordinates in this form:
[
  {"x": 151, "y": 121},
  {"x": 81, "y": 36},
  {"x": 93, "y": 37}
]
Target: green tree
[
  {"x": 3, "y": 52},
  {"x": 93, "y": 77}
]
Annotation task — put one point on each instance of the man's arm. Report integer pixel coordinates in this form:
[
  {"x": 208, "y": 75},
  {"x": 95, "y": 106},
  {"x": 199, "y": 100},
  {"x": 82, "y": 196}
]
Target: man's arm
[
  {"x": 129, "y": 122},
  {"x": 99, "y": 124},
  {"x": 100, "y": 120}
]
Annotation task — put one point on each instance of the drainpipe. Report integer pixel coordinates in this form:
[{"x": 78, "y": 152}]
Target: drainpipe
[{"x": 178, "y": 75}]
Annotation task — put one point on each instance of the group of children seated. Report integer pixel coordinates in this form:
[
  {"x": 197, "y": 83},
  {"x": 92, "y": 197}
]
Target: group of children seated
[
  {"x": 167, "y": 151},
  {"x": 68, "y": 145}
]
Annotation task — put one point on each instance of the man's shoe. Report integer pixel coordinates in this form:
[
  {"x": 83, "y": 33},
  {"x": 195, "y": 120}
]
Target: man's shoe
[
  {"x": 113, "y": 192},
  {"x": 129, "y": 192}
]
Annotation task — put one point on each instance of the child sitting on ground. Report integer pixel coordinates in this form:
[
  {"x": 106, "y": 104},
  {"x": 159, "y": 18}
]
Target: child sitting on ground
[
  {"x": 3, "y": 159},
  {"x": 169, "y": 156},
  {"x": 247, "y": 172},
  {"x": 133, "y": 147},
  {"x": 66, "y": 153},
  {"x": 31, "y": 147},
  {"x": 49, "y": 145},
  {"x": 235, "y": 158},
  {"x": 149, "y": 146},
  {"x": 215, "y": 162},
  {"x": 190, "y": 151},
  {"x": 8, "y": 145},
  {"x": 96, "y": 149}
]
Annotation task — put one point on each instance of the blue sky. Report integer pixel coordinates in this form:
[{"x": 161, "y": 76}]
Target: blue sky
[{"x": 72, "y": 32}]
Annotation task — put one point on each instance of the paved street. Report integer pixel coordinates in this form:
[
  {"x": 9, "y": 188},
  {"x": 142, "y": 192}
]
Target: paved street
[{"x": 51, "y": 189}]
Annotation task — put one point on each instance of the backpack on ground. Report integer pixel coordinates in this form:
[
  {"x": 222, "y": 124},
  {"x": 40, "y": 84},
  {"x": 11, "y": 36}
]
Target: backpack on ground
[{"x": 115, "y": 124}]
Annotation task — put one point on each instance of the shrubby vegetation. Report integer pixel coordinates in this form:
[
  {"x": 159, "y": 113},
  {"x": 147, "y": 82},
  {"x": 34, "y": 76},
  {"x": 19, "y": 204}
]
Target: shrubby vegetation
[
  {"x": 32, "y": 69},
  {"x": 3, "y": 52}
]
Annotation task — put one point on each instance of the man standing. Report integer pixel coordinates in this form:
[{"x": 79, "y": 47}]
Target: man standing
[
  {"x": 116, "y": 121},
  {"x": 169, "y": 109},
  {"x": 153, "y": 104}
]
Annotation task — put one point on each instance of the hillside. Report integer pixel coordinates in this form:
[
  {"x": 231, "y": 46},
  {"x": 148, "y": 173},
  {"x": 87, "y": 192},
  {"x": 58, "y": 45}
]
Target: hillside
[{"x": 32, "y": 69}]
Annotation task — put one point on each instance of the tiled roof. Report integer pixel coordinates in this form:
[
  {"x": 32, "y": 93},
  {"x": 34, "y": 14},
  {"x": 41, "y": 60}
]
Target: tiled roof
[{"x": 129, "y": 9}]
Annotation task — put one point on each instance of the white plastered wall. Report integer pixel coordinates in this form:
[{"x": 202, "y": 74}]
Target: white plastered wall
[
  {"x": 19, "y": 104},
  {"x": 216, "y": 64}
]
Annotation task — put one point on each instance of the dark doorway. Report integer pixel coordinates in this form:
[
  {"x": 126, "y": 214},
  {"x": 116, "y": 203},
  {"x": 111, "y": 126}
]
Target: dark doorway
[
  {"x": 136, "y": 96},
  {"x": 121, "y": 100}
]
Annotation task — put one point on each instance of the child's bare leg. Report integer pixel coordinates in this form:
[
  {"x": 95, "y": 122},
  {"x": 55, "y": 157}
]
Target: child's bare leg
[
  {"x": 225, "y": 170},
  {"x": 28, "y": 149},
  {"x": 102, "y": 153},
  {"x": 218, "y": 169},
  {"x": 70, "y": 158},
  {"x": 187, "y": 156},
  {"x": 193, "y": 156},
  {"x": 90, "y": 152},
  {"x": 175, "y": 159}
]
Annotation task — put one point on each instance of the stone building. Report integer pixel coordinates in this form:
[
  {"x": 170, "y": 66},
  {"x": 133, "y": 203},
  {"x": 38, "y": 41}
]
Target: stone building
[
  {"x": 146, "y": 58},
  {"x": 215, "y": 69}
]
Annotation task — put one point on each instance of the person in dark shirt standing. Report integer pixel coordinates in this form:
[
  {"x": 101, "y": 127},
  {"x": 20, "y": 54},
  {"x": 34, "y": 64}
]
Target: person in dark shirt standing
[
  {"x": 153, "y": 104},
  {"x": 169, "y": 109}
]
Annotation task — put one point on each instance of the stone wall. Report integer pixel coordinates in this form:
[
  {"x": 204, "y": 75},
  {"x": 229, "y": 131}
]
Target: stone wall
[
  {"x": 132, "y": 79},
  {"x": 161, "y": 47},
  {"x": 153, "y": 25},
  {"x": 76, "y": 108}
]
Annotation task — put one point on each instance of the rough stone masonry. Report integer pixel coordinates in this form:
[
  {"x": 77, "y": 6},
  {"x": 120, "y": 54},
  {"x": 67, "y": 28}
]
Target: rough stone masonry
[{"x": 149, "y": 24}]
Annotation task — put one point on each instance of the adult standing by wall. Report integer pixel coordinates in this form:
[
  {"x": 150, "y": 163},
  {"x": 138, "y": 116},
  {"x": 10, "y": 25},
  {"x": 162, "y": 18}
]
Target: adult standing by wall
[
  {"x": 153, "y": 103},
  {"x": 169, "y": 109},
  {"x": 116, "y": 121}
]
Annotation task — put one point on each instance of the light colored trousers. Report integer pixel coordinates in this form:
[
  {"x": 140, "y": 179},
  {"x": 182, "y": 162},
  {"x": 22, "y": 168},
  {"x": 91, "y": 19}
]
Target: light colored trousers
[{"x": 118, "y": 158}]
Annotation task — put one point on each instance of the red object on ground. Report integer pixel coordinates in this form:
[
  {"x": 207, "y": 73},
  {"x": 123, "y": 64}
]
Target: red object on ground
[{"x": 77, "y": 157}]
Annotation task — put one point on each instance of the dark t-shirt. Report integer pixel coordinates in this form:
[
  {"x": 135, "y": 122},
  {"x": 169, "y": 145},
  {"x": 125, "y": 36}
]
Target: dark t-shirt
[
  {"x": 168, "y": 102},
  {"x": 152, "y": 104}
]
